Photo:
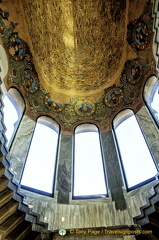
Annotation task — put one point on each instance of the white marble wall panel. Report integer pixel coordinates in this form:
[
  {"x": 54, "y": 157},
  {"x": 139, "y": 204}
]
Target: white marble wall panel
[
  {"x": 43, "y": 205},
  {"x": 20, "y": 146},
  {"x": 137, "y": 198},
  {"x": 79, "y": 216},
  {"x": 90, "y": 213}
]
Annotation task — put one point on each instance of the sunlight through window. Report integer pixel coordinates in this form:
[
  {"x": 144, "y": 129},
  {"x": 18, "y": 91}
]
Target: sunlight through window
[
  {"x": 10, "y": 118},
  {"x": 40, "y": 164},
  {"x": 89, "y": 176},
  {"x": 136, "y": 158},
  {"x": 155, "y": 104},
  {"x": 151, "y": 97}
]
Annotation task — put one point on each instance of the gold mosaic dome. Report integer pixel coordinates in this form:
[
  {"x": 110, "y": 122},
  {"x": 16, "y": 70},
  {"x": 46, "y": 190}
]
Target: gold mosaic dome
[
  {"x": 79, "y": 46},
  {"x": 83, "y": 60}
]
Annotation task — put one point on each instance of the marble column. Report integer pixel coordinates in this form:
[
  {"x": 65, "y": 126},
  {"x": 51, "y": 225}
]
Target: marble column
[
  {"x": 20, "y": 146},
  {"x": 150, "y": 131},
  {"x": 113, "y": 170},
  {"x": 64, "y": 173}
]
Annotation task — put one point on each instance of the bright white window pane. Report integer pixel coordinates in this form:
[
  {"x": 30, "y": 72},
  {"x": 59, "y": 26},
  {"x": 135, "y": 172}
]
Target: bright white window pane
[
  {"x": 88, "y": 167},
  {"x": 40, "y": 164},
  {"x": 155, "y": 104},
  {"x": 10, "y": 118},
  {"x": 151, "y": 96},
  {"x": 137, "y": 161}
]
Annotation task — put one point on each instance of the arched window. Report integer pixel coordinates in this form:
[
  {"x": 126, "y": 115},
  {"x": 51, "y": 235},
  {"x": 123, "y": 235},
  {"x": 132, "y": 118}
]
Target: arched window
[
  {"x": 39, "y": 170},
  {"x": 151, "y": 97},
  {"x": 3, "y": 66},
  {"x": 89, "y": 177},
  {"x": 13, "y": 110},
  {"x": 137, "y": 161}
]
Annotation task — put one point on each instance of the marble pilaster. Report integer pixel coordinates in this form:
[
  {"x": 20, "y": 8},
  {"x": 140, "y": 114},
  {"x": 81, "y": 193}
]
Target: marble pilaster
[
  {"x": 150, "y": 131},
  {"x": 64, "y": 173},
  {"x": 113, "y": 170},
  {"x": 20, "y": 146}
]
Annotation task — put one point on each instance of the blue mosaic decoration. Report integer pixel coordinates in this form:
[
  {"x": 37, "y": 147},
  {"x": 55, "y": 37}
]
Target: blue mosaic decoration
[
  {"x": 18, "y": 47},
  {"x": 114, "y": 97},
  {"x": 30, "y": 81}
]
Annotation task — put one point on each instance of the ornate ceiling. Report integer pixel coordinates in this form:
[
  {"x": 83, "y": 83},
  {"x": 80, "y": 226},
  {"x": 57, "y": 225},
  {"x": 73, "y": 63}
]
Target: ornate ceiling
[
  {"x": 78, "y": 60},
  {"x": 79, "y": 45}
]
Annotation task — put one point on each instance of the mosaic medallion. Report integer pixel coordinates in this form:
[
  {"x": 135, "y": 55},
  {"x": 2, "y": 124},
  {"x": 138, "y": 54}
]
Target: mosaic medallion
[
  {"x": 17, "y": 47},
  {"x": 133, "y": 71},
  {"x": 114, "y": 97},
  {"x": 84, "y": 107},
  {"x": 30, "y": 81},
  {"x": 51, "y": 105},
  {"x": 4, "y": 14},
  {"x": 140, "y": 35}
]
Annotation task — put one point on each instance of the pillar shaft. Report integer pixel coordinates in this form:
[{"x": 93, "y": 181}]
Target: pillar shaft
[
  {"x": 113, "y": 170},
  {"x": 20, "y": 146},
  {"x": 64, "y": 173}
]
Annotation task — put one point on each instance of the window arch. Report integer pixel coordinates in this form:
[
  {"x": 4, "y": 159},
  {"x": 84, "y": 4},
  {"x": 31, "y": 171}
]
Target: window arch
[
  {"x": 151, "y": 97},
  {"x": 89, "y": 176},
  {"x": 137, "y": 162},
  {"x": 39, "y": 170},
  {"x": 13, "y": 111},
  {"x": 3, "y": 64}
]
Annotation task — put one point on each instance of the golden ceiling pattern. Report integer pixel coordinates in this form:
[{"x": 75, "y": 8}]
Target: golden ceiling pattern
[
  {"x": 124, "y": 93},
  {"x": 79, "y": 45}
]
